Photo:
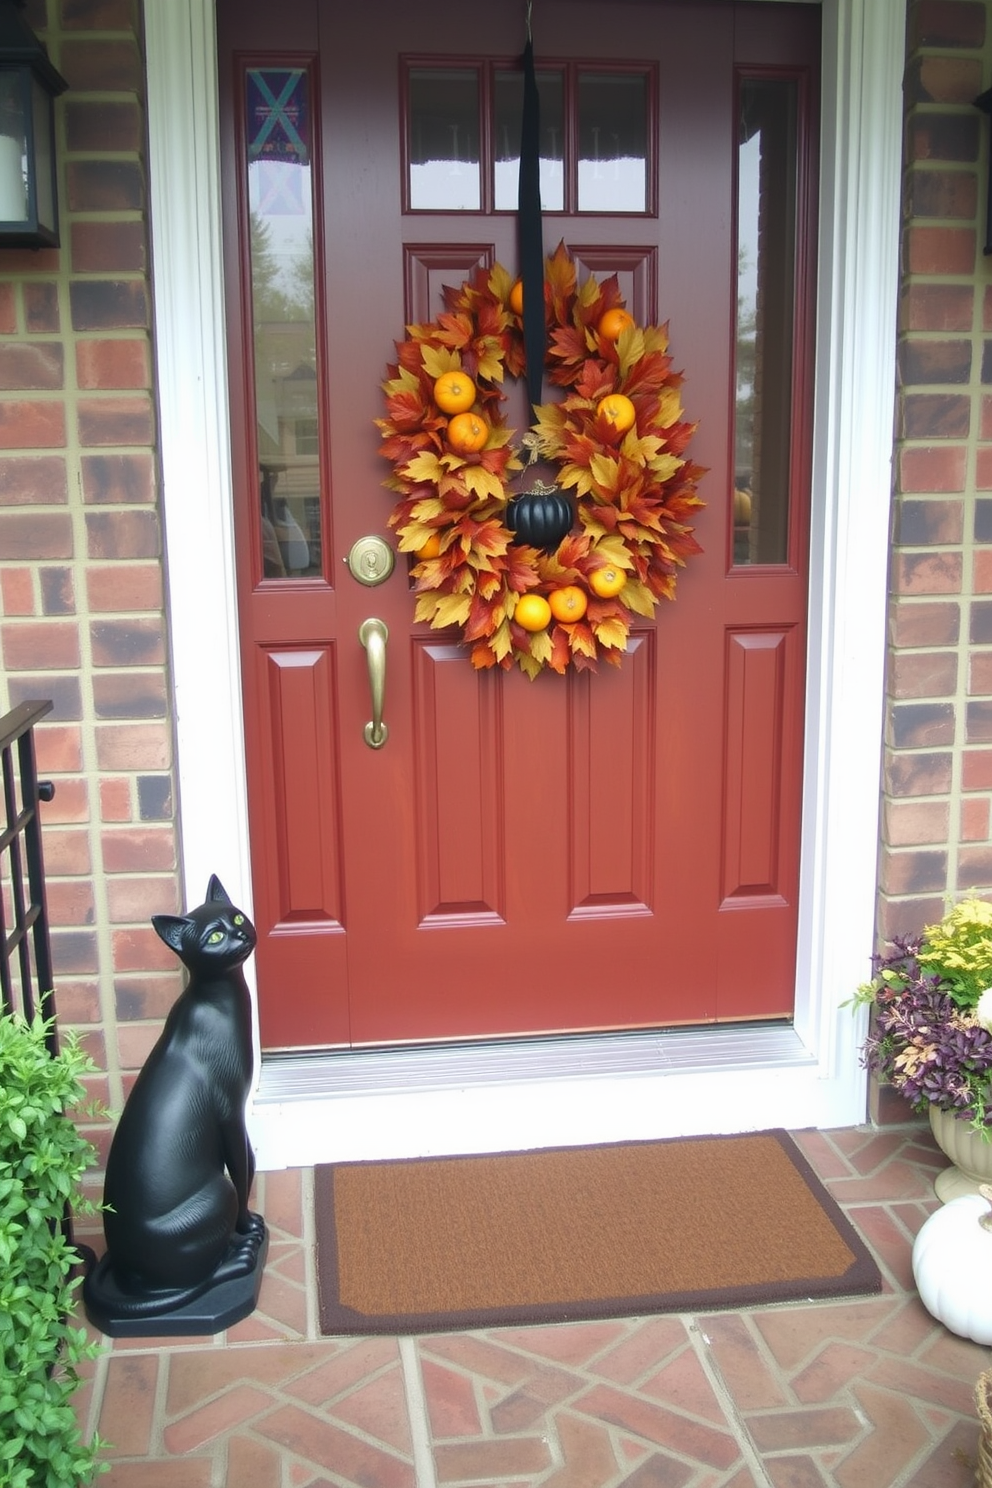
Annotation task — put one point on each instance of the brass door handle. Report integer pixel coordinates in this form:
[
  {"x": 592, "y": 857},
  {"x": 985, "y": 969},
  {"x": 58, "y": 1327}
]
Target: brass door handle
[{"x": 373, "y": 635}]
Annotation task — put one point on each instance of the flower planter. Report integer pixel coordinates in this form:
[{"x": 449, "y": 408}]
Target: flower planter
[{"x": 966, "y": 1149}]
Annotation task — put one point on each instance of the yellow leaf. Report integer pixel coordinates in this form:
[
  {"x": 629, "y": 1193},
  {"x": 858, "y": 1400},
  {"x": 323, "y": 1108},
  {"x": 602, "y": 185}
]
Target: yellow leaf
[
  {"x": 605, "y": 472},
  {"x": 451, "y": 609},
  {"x": 482, "y": 482},
  {"x": 424, "y": 469},
  {"x": 501, "y": 643},
  {"x": 439, "y": 359},
  {"x": 528, "y": 664},
  {"x": 426, "y": 508},
  {"x": 637, "y": 597},
  {"x": 577, "y": 476},
  {"x": 491, "y": 366},
  {"x": 669, "y": 408},
  {"x": 663, "y": 467},
  {"x": 540, "y": 646},
  {"x": 413, "y": 536},
  {"x": 615, "y": 550},
  {"x": 630, "y": 348},
  {"x": 581, "y": 641},
  {"x": 612, "y": 634}
]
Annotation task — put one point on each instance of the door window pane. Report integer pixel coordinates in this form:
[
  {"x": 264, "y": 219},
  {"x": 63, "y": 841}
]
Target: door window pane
[
  {"x": 444, "y": 139},
  {"x": 767, "y": 166},
  {"x": 613, "y": 142},
  {"x": 280, "y": 200},
  {"x": 508, "y": 103}
]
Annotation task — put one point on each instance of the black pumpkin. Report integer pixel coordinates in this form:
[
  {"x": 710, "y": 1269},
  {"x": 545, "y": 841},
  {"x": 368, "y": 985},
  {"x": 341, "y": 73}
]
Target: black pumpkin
[{"x": 540, "y": 519}]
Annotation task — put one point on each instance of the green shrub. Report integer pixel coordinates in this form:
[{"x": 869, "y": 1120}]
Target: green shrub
[{"x": 42, "y": 1157}]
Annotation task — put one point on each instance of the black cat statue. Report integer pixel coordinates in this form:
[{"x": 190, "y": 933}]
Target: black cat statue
[{"x": 184, "y": 1252}]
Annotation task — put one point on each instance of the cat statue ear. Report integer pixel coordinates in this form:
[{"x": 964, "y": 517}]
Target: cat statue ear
[
  {"x": 170, "y": 928},
  {"x": 216, "y": 890}
]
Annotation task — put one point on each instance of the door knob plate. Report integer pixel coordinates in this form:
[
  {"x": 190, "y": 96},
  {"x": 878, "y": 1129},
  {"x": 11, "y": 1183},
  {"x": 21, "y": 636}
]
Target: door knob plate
[{"x": 371, "y": 560}]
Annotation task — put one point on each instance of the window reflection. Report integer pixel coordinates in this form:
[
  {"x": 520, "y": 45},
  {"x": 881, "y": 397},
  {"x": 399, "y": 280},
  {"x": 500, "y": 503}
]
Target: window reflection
[
  {"x": 613, "y": 142},
  {"x": 767, "y": 166},
  {"x": 280, "y": 199},
  {"x": 444, "y": 139}
]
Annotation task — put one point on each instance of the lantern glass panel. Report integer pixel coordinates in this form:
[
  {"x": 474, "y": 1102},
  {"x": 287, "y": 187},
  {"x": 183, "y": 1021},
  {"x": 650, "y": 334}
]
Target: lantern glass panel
[{"x": 13, "y": 148}]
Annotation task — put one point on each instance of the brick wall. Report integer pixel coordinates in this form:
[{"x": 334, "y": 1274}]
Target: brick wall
[
  {"x": 936, "y": 835},
  {"x": 81, "y": 581}
]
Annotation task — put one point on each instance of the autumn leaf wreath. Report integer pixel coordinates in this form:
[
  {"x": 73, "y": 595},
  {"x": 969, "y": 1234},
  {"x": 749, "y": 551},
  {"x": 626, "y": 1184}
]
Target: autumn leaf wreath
[{"x": 617, "y": 436}]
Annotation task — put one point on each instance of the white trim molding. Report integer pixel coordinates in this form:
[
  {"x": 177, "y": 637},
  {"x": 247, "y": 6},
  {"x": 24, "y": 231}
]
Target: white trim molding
[{"x": 808, "y": 1076}]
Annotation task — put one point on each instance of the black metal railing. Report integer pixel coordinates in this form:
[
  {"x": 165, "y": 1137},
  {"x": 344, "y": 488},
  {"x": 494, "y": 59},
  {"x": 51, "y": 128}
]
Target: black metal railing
[{"x": 26, "y": 981}]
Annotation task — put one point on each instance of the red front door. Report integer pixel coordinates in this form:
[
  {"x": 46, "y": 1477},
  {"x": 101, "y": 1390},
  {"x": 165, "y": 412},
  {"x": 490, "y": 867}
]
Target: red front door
[{"x": 584, "y": 852}]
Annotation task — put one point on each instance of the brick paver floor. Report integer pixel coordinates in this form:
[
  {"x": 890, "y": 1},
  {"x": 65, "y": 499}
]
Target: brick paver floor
[{"x": 864, "y": 1393}]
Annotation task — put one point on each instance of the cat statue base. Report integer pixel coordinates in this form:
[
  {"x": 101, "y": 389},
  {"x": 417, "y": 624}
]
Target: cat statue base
[{"x": 185, "y": 1255}]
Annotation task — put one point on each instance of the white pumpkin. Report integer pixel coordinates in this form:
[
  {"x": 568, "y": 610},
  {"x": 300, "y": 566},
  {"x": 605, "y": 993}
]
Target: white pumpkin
[{"x": 952, "y": 1266}]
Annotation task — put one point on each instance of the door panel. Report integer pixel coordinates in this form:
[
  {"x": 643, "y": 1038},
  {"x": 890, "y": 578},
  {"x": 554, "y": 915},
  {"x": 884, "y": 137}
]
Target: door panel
[{"x": 582, "y": 852}]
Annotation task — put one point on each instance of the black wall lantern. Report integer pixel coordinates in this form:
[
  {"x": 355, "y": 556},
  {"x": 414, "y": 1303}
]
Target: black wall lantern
[{"x": 29, "y": 85}]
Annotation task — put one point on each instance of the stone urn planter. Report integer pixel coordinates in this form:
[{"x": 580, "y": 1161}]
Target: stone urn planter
[{"x": 970, "y": 1153}]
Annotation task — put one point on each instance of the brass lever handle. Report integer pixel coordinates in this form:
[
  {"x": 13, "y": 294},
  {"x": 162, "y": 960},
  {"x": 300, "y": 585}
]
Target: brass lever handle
[{"x": 373, "y": 635}]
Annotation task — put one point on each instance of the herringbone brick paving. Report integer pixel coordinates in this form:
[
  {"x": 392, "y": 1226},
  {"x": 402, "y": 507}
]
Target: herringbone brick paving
[{"x": 863, "y": 1393}]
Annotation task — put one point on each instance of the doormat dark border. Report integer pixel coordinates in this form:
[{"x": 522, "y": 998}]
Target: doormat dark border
[{"x": 859, "y": 1278}]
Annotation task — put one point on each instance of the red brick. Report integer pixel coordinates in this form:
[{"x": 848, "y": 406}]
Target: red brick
[
  {"x": 914, "y": 871},
  {"x": 115, "y": 799},
  {"x": 132, "y": 534},
  {"x": 140, "y": 950},
  {"x": 100, "y": 124},
  {"x": 906, "y": 918},
  {"x": 947, "y": 23},
  {"x": 941, "y": 193},
  {"x": 981, "y": 573},
  {"x": 108, "y": 304},
  {"x": 944, "y": 79},
  {"x": 975, "y": 819},
  {"x": 943, "y": 136},
  {"x": 920, "y": 674},
  {"x": 943, "y": 362},
  {"x": 124, "y": 479},
  {"x": 928, "y": 573},
  {"x": 922, "y": 523},
  {"x": 33, "y": 481},
  {"x": 74, "y": 951},
  {"x": 974, "y": 867},
  {"x": 133, "y": 746},
  {"x": 17, "y": 591},
  {"x": 40, "y": 645},
  {"x": 135, "y": 900},
  {"x": 128, "y": 643},
  {"x": 8, "y": 310},
  {"x": 916, "y": 823},
  {"x": 933, "y": 468},
  {"x": 101, "y": 66},
  {"x": 978, "y": 716},
  {"x": 935, "y": 415},
  {"x": 71, "y": 901},
  {"x": 35, "y": 535},
  {"x": 138, "y": 849},
  {"x": 936, "y": 307},
  {"x": 976, "y": 769},
  {"x": 41, "y": 308},
  {"x": 135, "y": 1041},
  {"x": 58, "y": 595},
  {"x": 26, "y": 366},
  {"x": 113, "y": 364},
  {"x": 923, "y": 624},
  {"x": 17, "y": 261},
  {"x": 110, "y": 247},
  {"x": 921, "y": 725},
  {"x": 62, "y": 691},
  {"x": 124, "y": 586},
  {"x": 983, "y": 468},
  {"x": 980, "y": 674},
  {"x": 130, "y": 695},
  {"x": 59, "y": 749},
  {"x": 71, "y": 802},
  {"x": 918, "y": 773},
  {"x": 31, "y": 425},
  {"x": 116, "y": 420},
  {"x": 78, "y": 1001},
  {"x": 67, "y": 850}
]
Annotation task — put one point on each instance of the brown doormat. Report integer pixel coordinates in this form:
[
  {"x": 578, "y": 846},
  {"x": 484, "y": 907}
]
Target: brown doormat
[{"x": 578, "y": 1232}]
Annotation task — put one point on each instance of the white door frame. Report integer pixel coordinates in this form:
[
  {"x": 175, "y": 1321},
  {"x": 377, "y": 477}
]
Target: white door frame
[{"x": 716, "y": 1083}]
